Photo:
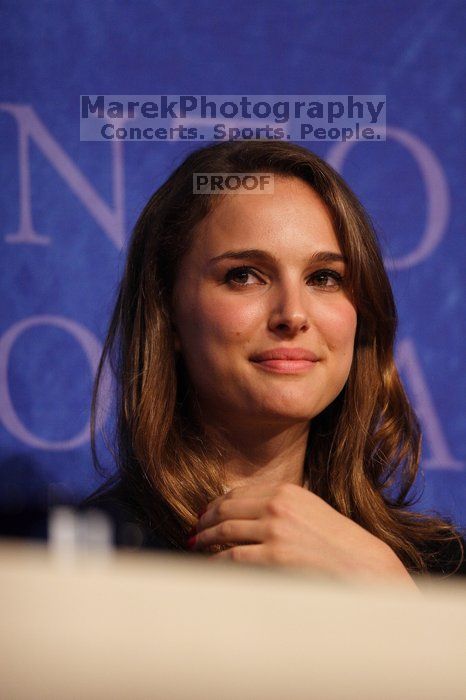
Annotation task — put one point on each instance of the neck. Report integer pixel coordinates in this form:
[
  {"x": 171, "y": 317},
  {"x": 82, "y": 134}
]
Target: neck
[{"x": 263, "y": 454}]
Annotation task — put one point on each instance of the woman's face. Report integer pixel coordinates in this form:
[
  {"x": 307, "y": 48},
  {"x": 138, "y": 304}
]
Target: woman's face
[{"x": 279, "y": 298}]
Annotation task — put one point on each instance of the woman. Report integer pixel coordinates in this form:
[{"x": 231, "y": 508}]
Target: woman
[{"x": 259, "y": 408}]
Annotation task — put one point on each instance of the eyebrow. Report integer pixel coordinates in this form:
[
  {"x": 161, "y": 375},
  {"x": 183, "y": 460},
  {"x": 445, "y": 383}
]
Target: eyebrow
[{"x": 321, "y": 256}]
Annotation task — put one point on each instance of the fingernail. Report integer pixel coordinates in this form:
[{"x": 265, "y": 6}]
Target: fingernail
[{"x": 191, "y": 542}]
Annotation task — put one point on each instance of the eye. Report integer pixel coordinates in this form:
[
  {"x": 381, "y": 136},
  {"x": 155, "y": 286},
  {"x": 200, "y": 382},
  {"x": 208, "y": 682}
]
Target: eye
[
  {"x": 321, "y": 278},
  {"x": 240, "y": 272}
]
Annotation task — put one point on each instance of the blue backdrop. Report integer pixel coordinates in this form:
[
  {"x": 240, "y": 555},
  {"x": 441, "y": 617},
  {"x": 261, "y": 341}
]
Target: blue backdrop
[{"x": 68, "y": 206}]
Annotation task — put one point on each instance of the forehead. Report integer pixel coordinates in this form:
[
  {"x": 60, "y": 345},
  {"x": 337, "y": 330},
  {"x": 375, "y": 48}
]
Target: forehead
[{"x": 292, "y": 220}]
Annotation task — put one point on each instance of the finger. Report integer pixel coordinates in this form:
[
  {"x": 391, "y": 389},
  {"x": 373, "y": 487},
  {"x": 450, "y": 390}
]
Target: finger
[
  {"x": 231, "y": 509},
  {"x": 251, "y": 553},
  {"x": 264, "y": 490},
  {"x": 231, "y": 531}
]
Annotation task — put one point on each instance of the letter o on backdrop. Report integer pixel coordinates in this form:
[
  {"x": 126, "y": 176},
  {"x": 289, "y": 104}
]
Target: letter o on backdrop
[
  {"x": 92, "y": 349},
  {"x": 437, "y": 193}
]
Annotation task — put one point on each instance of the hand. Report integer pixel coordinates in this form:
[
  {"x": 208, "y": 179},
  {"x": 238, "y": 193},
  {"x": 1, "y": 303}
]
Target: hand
[{"x": 287, "y": 525}]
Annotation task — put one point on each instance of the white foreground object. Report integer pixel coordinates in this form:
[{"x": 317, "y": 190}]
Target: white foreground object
[
  {"x": 168, "y": 626},
  {"x": 70, "y": 532}
]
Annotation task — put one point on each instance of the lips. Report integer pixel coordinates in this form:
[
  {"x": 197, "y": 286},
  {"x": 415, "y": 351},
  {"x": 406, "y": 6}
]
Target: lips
[{"x": 292, "y": 354}]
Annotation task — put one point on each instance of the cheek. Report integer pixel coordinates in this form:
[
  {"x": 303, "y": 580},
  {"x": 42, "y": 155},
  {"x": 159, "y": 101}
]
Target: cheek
[
  {"x": 225, "y": 321},
  {"x": 338, "y": 325}
]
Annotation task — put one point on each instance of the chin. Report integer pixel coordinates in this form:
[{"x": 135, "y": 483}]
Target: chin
[
  {"x": 291, "y": 413},
  {"x": 293, "y": 401}
]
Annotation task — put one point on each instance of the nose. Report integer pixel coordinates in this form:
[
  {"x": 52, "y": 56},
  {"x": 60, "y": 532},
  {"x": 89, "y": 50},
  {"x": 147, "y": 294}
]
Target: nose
[{"x": 290, "y": 310}]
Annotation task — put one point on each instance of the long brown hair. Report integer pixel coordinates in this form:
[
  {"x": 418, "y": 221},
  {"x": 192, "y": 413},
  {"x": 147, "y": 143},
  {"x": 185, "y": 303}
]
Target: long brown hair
[{"x": 363, "y": 450}]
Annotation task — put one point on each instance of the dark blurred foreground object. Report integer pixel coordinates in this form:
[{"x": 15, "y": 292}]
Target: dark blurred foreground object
[
  {"x": 53, "y": 512},
  {"x": 162, "y": 625}
]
